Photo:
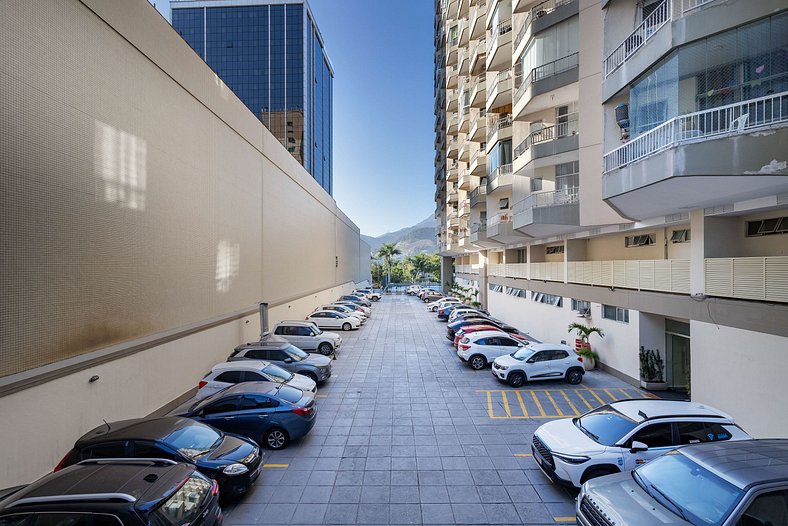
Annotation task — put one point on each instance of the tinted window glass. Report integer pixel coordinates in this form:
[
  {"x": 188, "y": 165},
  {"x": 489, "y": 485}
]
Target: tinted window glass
[
  {"x": 696, "y": 432},
  {"x": 767, "y": 508},
  {"x": 508, "y": 342},
  {"x": 194, "y": 440},
  {"x": 251, "y": 376},
  {"x": 257, "y": 354},
  {"x": 151, "y": 450},
  {"x": 559, "y": 355},
  {"x": 230, "y": 377},
  {"x": 281, "y": 330},
  {"x": 655, "y": 435},
  {"x": 75, "y": 519},
  {"x": 277, "y": 373},
  {"x": 303, "y": 331},
  {"x": 22, "y": 519},
  {"x": 257, "y": 402},
  {"x": 483, "y": 341},
  {"x": 295, "y": 353},
  {"x": 110, "y": 450},
  {"x": 605, "y": 425},
  {"x": 222, "y": 406},
  {"x": 541, "y": 356}
]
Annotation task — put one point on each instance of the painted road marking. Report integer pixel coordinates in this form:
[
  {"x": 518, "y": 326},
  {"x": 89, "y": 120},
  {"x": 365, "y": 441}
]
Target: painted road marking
[
  {"x": 523, "y": 455},
  {"x": 553, "y": 403},
  {"x": 276, "y": 465},
  {"x": 564, "y": 519}
]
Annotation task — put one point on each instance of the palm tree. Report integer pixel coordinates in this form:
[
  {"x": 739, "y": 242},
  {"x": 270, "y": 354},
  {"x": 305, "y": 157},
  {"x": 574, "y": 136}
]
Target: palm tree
[
  {"x": 387, "y": 251},
  {"x": 420, "y": 264}
]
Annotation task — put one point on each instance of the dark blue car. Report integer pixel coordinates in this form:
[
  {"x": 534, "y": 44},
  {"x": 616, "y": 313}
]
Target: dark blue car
[{"x": 269, "y": 413}]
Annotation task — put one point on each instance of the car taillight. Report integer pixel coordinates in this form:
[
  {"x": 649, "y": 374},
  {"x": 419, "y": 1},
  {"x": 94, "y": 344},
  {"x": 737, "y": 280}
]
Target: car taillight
[
  {"x": 215, "y": 488},
  {"x": 61, "y": 464},
  {"x": 464, "y": 347},
  {"x": 303, "y": 411},
  {"x": 307, "y": 318},
  {"x": 580, "y": 359},
  {"x": 202, "y": 384}
]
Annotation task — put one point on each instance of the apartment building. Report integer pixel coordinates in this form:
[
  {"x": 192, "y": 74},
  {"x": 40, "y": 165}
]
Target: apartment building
[
  {"x": 623, "y": 164},
  {"x": 146, "y": 212}
]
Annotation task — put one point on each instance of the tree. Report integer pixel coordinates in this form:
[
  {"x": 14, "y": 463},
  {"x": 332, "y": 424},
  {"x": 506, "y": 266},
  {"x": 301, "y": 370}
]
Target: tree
[
  {"x": 419, "y": 265},
  {"x": 387, "y": 251}
]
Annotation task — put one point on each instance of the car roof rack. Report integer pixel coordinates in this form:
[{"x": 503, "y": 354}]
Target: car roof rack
[
  {"x": 80, "y": 497},
  {"x": 142, "y": 461}
]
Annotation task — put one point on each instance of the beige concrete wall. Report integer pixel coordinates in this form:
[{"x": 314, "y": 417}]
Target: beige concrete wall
[{"x": 608, "y": 248}]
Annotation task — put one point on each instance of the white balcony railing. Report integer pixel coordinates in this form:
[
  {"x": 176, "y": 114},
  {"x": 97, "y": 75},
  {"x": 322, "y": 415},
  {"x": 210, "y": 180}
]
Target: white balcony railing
[
  {"x": 538, "y": 11},
  {"x": 752, "y": 278},
  {"x": 502, "y": 28},
  {"x": 546, "y": 71},
  {"x": 667, "y": 275},
  {"x": 548, "y": 271},
  {"x": 504, "y": 216},
  {"x": 642, "y": 33},
  {"x": 497, "y": 122},
  {"x": 733, "y": 119},
  {"x": 502, "y": 76},
  {"x": 564, "y": 196},
  {"x": 501, "y": 171},
  {"x": 567, "y": 127}
]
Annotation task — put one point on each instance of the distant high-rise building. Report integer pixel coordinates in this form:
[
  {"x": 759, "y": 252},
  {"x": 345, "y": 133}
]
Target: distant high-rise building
[{"x": 271, "y": 54}]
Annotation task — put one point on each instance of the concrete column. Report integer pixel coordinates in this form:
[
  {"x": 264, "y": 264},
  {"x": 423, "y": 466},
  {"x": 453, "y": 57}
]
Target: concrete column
[
  {"x": 483, "y": 261},
  {"x": 447, "y": 275},
  {"x": 697, "y": 252}
]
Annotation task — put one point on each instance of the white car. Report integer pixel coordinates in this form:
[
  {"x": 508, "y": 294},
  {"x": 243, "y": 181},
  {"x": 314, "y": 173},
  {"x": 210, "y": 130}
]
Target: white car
[
  {"x": 436, "y": 305},
  {"x": 456, "y": 313},
  {"x": 539, "y": 361},
  {"x": 481, "y": 348},
  {"x": 366, "y": 310},
  {"x": 344, "y": 309},
  {"x": 334, "y": 320},
  {"x": 623, "y": 435},
  {"x": 413, "y": 289},
  {"x": 230, "y": 373},
  {"x": 369, "y": 293}
]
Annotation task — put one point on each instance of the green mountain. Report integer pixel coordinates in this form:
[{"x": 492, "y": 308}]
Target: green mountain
[{"x": 416, "y": 239}]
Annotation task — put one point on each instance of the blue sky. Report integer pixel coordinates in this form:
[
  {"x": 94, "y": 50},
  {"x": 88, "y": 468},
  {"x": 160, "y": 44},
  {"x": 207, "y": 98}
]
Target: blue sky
[{"x": 383, "y": 108}]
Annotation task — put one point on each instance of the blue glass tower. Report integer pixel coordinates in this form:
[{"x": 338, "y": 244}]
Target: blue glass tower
[{"x": 271, "y": 54}]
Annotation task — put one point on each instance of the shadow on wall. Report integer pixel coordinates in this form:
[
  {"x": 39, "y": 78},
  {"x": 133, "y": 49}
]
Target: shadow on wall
[{"x": 120, "y": 163}]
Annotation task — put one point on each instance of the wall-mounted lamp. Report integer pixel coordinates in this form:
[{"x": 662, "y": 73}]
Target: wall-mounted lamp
[
  {"x": 612, "y": 289},
  {"x": 93, "y": 378}
]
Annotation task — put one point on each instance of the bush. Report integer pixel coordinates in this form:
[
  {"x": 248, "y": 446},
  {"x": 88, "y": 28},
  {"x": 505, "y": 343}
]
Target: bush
[{"x": 652, "y": 368}]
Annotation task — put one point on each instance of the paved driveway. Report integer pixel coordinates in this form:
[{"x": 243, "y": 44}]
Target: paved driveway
[{"x": 407, "y": 434}]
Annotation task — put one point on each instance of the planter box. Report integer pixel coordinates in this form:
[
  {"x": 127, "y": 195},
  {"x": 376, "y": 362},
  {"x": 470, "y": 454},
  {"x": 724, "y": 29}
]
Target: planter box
[{"x": 654, "y": 386}]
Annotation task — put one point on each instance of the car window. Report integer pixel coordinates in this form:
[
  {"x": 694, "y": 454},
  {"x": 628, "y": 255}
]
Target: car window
[
  {"x": 655, "y": 435},
  {"x": 281, "y": 330},
  {"x": 150, "y": 450},
  {"x": 304, "y": 331},
  {"x": 19, "y": 519},
  {"x": 230, "y": 377},
  {"x": 278, "y": 374},
  {"x": 483, "y": 341},
  {"x": 108, "y": 450},
  {"x": 541, "y": 356},
  {"x": 257, "y": 402},
  {"x": 255, "y": 354},
  {"x": 697, "y": 432},
  {"x": 295, "y": 353},
  {"x": 222, "y": 406},
  {"x": 508, "y": 342},
  {"x": 252, "y": 376},
  {"x": 767, "y": 508},
  {"x": 75, "y": 519},
  {"x": 558, "y": 354}
]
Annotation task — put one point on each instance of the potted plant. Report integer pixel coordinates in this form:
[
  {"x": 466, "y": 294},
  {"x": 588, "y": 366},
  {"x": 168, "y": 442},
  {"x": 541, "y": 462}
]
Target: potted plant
[
  {"x": 652, "y": 370},
  {"x": 582, "y": 345}
]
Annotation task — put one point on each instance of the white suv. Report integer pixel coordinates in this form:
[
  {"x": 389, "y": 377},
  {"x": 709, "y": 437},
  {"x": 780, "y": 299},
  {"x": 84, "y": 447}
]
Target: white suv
[
  {"x": 539, "y": 361},
  {"x": 481, "y": 348},
  {"x": 230, "y": 373},
  {"x": 623, "y": 435}
]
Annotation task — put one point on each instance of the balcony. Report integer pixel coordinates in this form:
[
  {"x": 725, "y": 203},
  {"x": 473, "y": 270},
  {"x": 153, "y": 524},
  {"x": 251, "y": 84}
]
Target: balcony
[
  {"x": 638, "y": 38},
  {"x": 466, "y": 269},
  {"x": 550, "y": 213},
  {"x": 478, "y": 197},
  {"x": 701, "y": 160},
  {"x": 500, "y": 179},
  {"x": 464, "y": 154},
  {"x": 453, "y": 124},
  {"x": 464, "y": 210},
  {"x": 478, "y": 57},
  {"x": 452, "y": 77},
  {"x": 549, "y": 85},
  {"x": 500, "y": 92},
  {"x": 478, "y": 96},
  {"x": 479, "y": 236},
  {"x": 452, "y": 174},
  {"x": 452, "y": 219},
  {"x": 478, "y": 164},
  {"x": 462, "y": 62},
  {"x": 465, "y": 119},
  {"x": 476, "y": 20},
  {"x": 462, "y": 29},
  {"x": 663, "y": 275},
  {"x": 451, "y": 53},
  {"x": 452, "y": 96},
  {"x": 749, "y": 278},
  {"x": 452, "y": 148},
  {"x": 499, "y": 48},
  {"x": 499, "y": 228},
  {"x": 478, "y": 131},
  {"x": 453, "y": 195},
  {"x": 464, "y": 181},
  {"x": 499, "y": 128},
  {"x": 558, "y": 139},
  {"x": 540, "y": 17}
]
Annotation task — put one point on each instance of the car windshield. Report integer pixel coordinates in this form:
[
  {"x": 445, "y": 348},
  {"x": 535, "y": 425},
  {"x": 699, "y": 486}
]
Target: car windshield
[
  {"x": 522, "y": 354},
  {"x": 295, "y": 353},
  {"x": 289, "y": 394},
  {"x": 688, "y": 489},
  {"x": 194, "y": 440},
  {"x": 605, "y": 425},
  {"x": 316, "y": 331},
  {"x": 277, "y": 374}
]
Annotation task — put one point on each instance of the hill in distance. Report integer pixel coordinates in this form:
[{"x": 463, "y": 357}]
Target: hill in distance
[{"x": 416, "y": 239}]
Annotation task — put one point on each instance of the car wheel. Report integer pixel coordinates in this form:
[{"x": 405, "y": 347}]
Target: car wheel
[
  {"x": 311, "y": 376},
  {"x": 574, "y": 377},
  {"x": 325, "y": 348},
  {"x": 516, "y": 379},
  {"x": 477, "y": 361},
  {"x": 276, "y": 438},
  {"x": 346, "y": 326},
  {"x": 596, "y": 473}
]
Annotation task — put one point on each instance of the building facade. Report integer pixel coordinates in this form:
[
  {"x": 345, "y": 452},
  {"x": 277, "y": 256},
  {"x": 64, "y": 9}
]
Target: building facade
[
  {"x": 272, "y": 55},
  {"x": 146, "y": 212},
  {"x": 622, "y": 164}
]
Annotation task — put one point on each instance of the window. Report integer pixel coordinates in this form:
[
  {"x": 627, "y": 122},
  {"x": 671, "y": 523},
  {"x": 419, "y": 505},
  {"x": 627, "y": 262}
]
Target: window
[
  {"x": 640, "y": 240},
  {"x": 536, "y": 184},
  {"x": 503, "y": 204},
  {"x": 302, "y": 331},
  {"x": 483, "y": 341},
  {"x": 610, "y": 312},
  {"x": 108, "y": 450},
  {"x": 257, "y": 402},
  {"x": 549, "y": 299},
  {"x": 282, "y": 329},
  {"x": 655, "y": 435},
  {"x": 680, "y": 236},
  {"x": 495, "y": 288},
  {"x": 73, "y": 519},
  {"x": 151, "y": 450},
  {"x": 767, "y": 508},
  {"x": 540, "y": 357},
  {"x": 556, "y": 249},
  {"x": 582, "y": 306},
  {"x": 696, "y": 432},
  {"x": 518, "y": 293},
  {"x": 222, "y": 406},
  {"x": 764, "y": 227},
  {"x": 558, "y": 354},
  {"x": 257, "y": 354},
  {"x": 508, "y": 342},
  {"x": 230, "y": 377},
  {"x": 251, "y": 376}
]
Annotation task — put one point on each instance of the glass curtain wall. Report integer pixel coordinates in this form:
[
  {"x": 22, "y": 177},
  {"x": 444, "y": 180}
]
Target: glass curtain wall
[{"x": 556, "y": 42}]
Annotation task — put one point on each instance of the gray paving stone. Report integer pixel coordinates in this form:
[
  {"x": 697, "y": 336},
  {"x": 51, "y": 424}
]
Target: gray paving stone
[
  {"x": 309, "y": 514},
  {"x": 341, "y": 514},
  {"x": 437, "y": 514},
  {"x": 404, "y": 494},
  {"x": 345, "y": 495},
  {"x": 373, "y": 514},
  {"x": 405, "y": 514},
  {"x": 433, "y": 494},
  {"x": 468, "y": 514}
]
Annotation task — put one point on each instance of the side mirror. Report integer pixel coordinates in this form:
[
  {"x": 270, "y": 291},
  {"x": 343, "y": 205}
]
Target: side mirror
[
  {"x": 637, "y": 447},
  {"x": 530, "y": 360}
]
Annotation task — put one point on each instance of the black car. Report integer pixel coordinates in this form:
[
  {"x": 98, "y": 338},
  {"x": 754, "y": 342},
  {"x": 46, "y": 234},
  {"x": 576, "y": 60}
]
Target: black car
[
  {"x": 109, "y": 492},
  {"x": 454, "y": 326},
  {"x": 233, "y": 461}
]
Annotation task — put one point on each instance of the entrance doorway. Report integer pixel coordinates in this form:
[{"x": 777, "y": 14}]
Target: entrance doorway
[{"x": 677, "y": 355}]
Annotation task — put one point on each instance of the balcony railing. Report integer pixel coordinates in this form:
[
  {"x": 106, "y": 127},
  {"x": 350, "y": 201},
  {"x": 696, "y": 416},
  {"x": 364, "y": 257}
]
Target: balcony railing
[
  {"x": 476, "y": 193},
  {"x": 475, "y": 156},
  {"x": 752, "y": 278},
  {"x": 642, "y": 33},
  {"x": 478, "y": 228},
  {"x": 546, "y": 71},
  {"x": 733, "y": 119},
  {"x": 667, "y": 275},
  {"x": 564, "y": 196},
  {"x": 502, "y": 76},
  {"x": 504, "y": 169},
  {"x": 497, "y": 122},
  {"x": 479, "y": 49},
  {"x": 548, "y": 133},
  {"x": 504, "y": 216},
  {"x": 538, "y": 11},
  {"x": 691, "y": 5},
  {"x": 502, "y": 28}
]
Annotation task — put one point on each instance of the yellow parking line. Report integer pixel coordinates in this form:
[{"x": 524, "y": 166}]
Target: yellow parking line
[
  {"x": 276, "y": 465},
  {"x": 564, "y": 519},
  {"x": 597, "y": 397},
  {"x": 583, "y": 399},
  {"x": 568, "y": 401},
  {"x": 625, "y": 393},
  {"x": 557, "y": 409},
  {"x": 506, "y": 404},
  {"x": 538, "y": 404},
  {"x": 522, "y": 404},
  {"x": 523, "y": 455},
  {"x": 489, "y": 405}
]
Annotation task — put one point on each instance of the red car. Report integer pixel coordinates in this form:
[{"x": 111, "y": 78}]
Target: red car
[{"x": 525, "y": 338}]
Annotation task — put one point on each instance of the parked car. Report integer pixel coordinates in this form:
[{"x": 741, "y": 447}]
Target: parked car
[
  {"x": 334, "y": 320},
  {"x": 460, "y": 311},
  {"x": 442, "y": 302},
  {"x": 741, "y": 483},
  {"x": 307, "y": 336},
  {"x": 272, "y": 414},
  {"x": 344, "y": 310},
  {"x": 481, "y": 348},
  {"x": 431, "y": 296},
  {"x": 224, "y": 375},
  {"x": 517, "y": 335},
  {"x": 412, "y": 290},
  {"x": 452, "y": 327},
  {"x": 234, "y": 462},
  {"x": 539, "y": 361},
  {"x": 355, "y": 299},
  {"x": 115, "y": 491},
  {"x": 623, "y": 435},
  {"x": 287, "y": 356},
  {"x": 370, "y": 293},
  {"x": 355, "y": 306}
]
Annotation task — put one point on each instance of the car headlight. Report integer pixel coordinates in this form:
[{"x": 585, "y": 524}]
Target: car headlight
[
  {"x": 502, "y": 367},
  {"x": 235, "y": 469},
  {"x": 571, "y": 459}
]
